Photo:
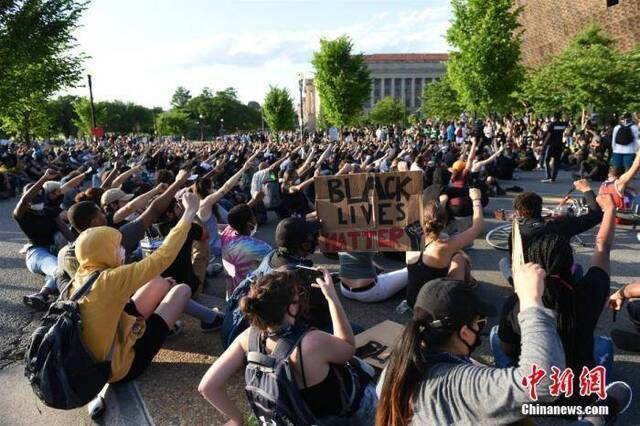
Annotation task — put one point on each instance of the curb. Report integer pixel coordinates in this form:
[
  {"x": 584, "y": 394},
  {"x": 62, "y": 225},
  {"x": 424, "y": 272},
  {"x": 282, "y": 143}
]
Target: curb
[{"x": 125, "y": 406}]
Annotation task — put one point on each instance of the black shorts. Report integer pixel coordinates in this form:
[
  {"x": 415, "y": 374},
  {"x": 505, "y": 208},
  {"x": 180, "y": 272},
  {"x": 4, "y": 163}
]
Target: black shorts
[{"x": 147, "y": 346}]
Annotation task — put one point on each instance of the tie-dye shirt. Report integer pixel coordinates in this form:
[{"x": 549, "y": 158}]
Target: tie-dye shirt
[{"x": 242, "y": 253}]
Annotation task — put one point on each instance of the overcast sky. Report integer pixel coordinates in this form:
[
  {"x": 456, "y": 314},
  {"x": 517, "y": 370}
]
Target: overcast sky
[{"x": 141, "y": 50}]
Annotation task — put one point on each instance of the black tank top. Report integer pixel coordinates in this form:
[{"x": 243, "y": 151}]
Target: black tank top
[{"x": 420, "y": 274}]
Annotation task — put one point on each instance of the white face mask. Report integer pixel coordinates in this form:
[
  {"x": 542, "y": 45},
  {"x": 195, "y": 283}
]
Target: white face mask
[
  {"x": 254, "y": 230},
  {"x": 123, "y": 255}
]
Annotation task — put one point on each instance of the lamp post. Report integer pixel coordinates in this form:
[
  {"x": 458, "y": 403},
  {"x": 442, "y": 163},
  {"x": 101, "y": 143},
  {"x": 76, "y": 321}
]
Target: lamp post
[
  {"x": 93, "y": 109},
  {"x": 222, "y": 127},
  {"x": 300, "y": 83},
  {"x": 201, "y": 128}
]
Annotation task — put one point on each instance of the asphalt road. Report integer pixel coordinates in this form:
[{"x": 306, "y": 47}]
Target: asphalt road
[{"x": 185, "y": 359}]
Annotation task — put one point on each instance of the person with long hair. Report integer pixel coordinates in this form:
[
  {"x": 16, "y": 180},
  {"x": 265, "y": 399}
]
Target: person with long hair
[
  {"x": 430, "y": 378},
  {"x": 273, "y": 306},
  {"x": 442, "y": 257}
]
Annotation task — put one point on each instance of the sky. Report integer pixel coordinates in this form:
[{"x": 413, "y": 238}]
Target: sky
[{"x": 141, "y": 50}]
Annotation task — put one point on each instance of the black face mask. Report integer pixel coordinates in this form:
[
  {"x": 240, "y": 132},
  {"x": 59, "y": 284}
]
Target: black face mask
[{"x": 478, "y": 341}]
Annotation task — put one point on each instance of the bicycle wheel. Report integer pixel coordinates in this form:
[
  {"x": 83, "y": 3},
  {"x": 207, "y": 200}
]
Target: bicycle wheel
[{"x": 498, "y": 238}]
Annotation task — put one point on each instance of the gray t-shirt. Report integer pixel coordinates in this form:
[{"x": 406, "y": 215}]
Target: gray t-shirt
[{"x": 356, "y": 265}]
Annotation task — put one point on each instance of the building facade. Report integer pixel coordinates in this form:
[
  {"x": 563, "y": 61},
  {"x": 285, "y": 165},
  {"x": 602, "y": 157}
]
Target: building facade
[
  {"x": 401, "y": 76},
  {"x": 549, "y": 25}
]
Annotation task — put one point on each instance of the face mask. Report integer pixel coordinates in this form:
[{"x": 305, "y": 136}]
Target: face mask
[
  {"x": 254, "y": 230},
  {"x": 123, "y": 255},
  {"x": 476, "y": 343},
  {"x": 37, "y": 207}
]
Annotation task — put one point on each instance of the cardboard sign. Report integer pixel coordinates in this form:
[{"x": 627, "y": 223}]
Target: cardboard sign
[
  {"x": 374, "y": 345},
  {"x": 97, "y": 132},
  {"x": 370, "y": 211}
]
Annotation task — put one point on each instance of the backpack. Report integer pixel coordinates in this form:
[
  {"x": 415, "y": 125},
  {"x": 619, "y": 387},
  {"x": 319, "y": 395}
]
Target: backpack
[
  {"x": 272, "y": 193},
  {"x": 624, "y": 135},
  {"x": 272, "y": 391},
  {"x": 62, "y": 372}
]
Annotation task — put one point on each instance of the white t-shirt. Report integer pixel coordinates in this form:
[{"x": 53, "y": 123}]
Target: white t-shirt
[
  {"x": 333, "y": 134},
  {"x": 258, "y": 179},
  {"x": 632, "y": 148}
]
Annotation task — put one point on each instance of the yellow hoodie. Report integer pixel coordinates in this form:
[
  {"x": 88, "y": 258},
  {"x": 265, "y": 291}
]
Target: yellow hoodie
[{"x": 102, "y": 309}]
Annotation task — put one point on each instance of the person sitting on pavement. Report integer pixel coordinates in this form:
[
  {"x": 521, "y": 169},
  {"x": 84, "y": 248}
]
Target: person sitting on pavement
[
  {"x": 617, "y": 182},
  {"x": 431, "y": 378},
  {"x": 577, "y": 303},
  {"x": 360, "y": 280},
  {"x": 239, "y": 247},
  {"x": 442, "y": 257},
  {"x": 38, "y": 215},
  {"x": 129, "y": 311},
  {"x": 319, "y": 362}
]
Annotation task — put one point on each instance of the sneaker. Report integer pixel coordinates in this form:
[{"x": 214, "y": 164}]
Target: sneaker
[
  {"x": 177, "y": 329},
  {"x": 546, "y": 180},
  {"x": 619, "y": 396},
  {"x": 39, "y": 301},
  {"x": 216, "y": 324}
]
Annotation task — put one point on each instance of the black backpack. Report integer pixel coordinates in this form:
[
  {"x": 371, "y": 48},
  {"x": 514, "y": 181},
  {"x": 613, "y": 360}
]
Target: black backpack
[
  {"x": 271, "y": 388},
  {"x": 272, "y": 193},
  {"x": 59, "y": 367},
  {"x": 624, "y": 135}
]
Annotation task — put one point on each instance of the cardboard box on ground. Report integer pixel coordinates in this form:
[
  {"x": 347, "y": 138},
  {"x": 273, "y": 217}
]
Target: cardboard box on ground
[
  {"x": 370, "y": 211},
  {"x": 374, "y": 344}
]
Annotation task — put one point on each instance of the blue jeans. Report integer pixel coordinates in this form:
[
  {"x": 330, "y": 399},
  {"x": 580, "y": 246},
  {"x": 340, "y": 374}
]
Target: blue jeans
[
  {"x": 364, "y": 416},
  {"x": 41, "y": 261},
  {"x": 622, "y": 161}
]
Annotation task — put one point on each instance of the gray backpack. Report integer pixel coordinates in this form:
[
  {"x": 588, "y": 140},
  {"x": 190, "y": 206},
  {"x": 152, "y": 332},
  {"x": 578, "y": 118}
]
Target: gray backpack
[
  {"x": 271, "y": 387},
  {"x": 272, "y": 192}
]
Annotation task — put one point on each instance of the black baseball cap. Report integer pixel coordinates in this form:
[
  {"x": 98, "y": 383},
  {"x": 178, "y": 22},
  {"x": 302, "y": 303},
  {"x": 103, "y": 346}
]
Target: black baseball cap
[
  {"x": 453, "y": 303},
  {"x": 294, "y": 231}
]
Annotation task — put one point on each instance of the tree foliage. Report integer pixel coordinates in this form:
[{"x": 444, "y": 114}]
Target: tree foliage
[
  {"x": 439, "y": 99},
  {"x": 342, "y": 79},
  {"x": 278, "y": 110},
  {"x": 180, "y": 97},
  {"x": 484, "y": 68},
  {"x": 175, "y": 123},
  {"x": 387, "y": 111},
  {"x": 589, "y": 74},
  {"x": 115, "y": 117},
  {"x": 37, "y": 59}
]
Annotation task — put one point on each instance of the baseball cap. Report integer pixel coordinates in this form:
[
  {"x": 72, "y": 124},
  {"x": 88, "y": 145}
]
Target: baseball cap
[
  {"x": 293, "y": 231},
  {"x": 113, "y": 195},
  {"x": 453, "y": 303},
  {"x": 458, "y": 166}
]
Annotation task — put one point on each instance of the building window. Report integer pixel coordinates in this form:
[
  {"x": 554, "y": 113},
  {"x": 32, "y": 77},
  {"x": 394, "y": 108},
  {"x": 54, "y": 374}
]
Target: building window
[
  {"x": 418, "y": 92},
  {"x": 377, "y": 90},
  {"x": 407, "y": 92},
  {"x": 387, "y": 87},
  {"x": 397, "y": 88},
  {"x": 611, "y": 3}
]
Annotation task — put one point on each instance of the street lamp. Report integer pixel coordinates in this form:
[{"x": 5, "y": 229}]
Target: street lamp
[
  {"x": 222, "y": 127},
  {"x": 201, "y": 128},
  {"x": 300, "y": 83}
]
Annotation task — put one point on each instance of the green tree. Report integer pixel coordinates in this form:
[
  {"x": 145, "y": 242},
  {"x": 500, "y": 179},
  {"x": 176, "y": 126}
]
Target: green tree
[
  {"x": 484, "y": 67},
  {"x": 175, "y": 123},
  {"x": 439, "y": 99},
  {"x": 62, "y": 116},
  {"x": 37, "y": 59},
  {"x": 387, "y": 111},
  {"x": 589, "y": 74},
  {"x": 210, "y": 108},
  {"x": 180, "y": 97},
  {"x": 115, "y": 117},
  {"x": 342, "y": 79},
  {"x": 279, "y": 112}
]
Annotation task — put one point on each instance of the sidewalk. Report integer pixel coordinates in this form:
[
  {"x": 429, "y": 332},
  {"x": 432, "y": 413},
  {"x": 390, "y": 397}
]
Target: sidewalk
[{"x": 20, "y": 406}]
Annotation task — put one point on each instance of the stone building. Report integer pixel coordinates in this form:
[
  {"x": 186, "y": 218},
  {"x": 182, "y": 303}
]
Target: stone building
[
  {"x": 550, "y": 24},
  {"x": 399, "y": 75}
]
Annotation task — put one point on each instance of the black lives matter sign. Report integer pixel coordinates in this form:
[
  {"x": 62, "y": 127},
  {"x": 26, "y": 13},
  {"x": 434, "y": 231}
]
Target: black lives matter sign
[{"x": 370, "y": 211}]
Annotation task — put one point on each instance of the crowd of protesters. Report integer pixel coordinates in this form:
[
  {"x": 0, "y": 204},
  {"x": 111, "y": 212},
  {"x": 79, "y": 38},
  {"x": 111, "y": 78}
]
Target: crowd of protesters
[{"x": 156, "y": 217}]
